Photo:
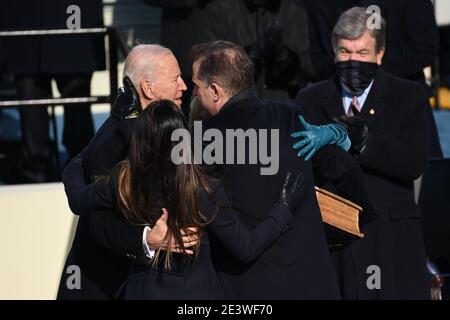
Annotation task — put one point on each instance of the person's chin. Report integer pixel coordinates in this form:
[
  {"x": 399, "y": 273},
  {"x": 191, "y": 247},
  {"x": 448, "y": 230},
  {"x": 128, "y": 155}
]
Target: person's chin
[{"x": 178, "y": 102}]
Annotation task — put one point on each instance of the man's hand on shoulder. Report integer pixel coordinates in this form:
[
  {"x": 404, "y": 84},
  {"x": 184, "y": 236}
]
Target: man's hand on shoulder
[{"x": 157, "y": 237}]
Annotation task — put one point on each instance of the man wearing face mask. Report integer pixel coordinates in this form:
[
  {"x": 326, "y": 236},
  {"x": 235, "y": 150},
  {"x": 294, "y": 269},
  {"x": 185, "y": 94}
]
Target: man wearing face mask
[
  {"x": 387, "y": 123},
  {"x": 412, "y": 43}
]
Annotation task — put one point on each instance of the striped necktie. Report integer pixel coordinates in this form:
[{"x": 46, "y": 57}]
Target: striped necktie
[{"x": 355, "y": 103}]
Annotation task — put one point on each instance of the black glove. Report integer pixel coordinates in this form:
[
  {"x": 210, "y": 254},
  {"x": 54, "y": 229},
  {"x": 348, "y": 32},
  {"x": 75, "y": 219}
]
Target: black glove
[
  {"x": 127, "y": 104},
  {"x": 292, "y": 190},
  {"x": 357, "y": 129}
]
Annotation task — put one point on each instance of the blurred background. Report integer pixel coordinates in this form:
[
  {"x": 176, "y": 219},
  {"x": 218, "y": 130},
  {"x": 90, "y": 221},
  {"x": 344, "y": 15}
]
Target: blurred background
[{"x": 135, "y": 22}]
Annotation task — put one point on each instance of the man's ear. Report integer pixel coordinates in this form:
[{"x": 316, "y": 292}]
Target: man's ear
[
  {"x": 217, "y": 92},
  {"x": 380, "y": 56},
  {"x": 147, "y": 89}
]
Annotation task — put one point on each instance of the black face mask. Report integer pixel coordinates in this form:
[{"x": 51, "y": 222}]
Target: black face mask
[{"x": 355, "y": 76}]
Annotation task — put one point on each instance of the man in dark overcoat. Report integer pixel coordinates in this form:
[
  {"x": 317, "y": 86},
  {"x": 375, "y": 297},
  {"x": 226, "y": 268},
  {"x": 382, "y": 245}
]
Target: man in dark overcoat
[{"x": 389, "y": 263}]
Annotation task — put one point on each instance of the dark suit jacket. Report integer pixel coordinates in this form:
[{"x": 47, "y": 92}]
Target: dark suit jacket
[
  {"x": 103, "y": 244},
  {"x": 298, "y": 264},
  {"x": 395, "y": 155}
]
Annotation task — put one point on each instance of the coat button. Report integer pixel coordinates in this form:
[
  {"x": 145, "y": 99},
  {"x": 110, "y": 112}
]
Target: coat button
[{"x": 372, "y": 111}]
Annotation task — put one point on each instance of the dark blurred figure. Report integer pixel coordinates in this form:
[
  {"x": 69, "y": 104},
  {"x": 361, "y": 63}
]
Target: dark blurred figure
[
  {"x": 275, "y": 35},
  {"x": 444, "y": 55},
  {"x": 35, "y": 61},
  {"x": 182, "y": 25},
  {"x": 411, "y": 42}
]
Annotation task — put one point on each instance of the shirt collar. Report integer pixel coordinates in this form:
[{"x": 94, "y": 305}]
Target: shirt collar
[{"x": 244, "y": 94}]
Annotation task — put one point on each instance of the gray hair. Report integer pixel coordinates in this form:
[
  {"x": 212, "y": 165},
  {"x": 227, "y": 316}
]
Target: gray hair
[
  {"x": 142, "y": 62},
  {"x": 353, "y": 23}
]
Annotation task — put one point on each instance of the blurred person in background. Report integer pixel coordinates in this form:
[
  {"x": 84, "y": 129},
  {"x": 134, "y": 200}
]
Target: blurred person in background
[
  {"x": 274, "y": 34},
  {"x": 36, "y": 61},
  {"x": 183, "y": 24}
]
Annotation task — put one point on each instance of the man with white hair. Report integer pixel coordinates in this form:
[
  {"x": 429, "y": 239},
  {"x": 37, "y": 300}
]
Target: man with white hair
[
  {"x": 104, "y": 243},
  {"x": 155, "y": 73}
]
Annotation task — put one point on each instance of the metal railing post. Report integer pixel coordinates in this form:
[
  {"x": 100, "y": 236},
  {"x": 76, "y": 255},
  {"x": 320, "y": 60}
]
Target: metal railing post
[
  {"x": 55, "y": 143},
  {"x": 113, "y": 83}
]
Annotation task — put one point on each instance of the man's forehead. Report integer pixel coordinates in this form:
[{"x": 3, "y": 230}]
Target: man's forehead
[
  {"x": 195, "y": 65},
  {"x": 364, "y": 42},
  {"x": 169, "y": 65}
]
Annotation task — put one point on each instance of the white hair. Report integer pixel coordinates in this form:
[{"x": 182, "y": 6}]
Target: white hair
[{"x": 142, "y": 62}]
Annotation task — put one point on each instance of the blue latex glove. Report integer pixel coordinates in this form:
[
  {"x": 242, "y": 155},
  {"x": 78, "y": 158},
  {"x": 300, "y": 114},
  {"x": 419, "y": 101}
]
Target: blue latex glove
[{"x": 313, "y": 138}]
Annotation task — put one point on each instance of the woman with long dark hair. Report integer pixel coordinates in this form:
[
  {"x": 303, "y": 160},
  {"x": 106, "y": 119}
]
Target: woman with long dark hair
[{"x": 148, "y": 180}]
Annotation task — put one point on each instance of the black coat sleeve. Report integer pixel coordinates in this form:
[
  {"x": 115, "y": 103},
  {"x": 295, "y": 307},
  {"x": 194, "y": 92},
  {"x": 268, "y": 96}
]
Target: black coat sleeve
[
  {"x": 333, "y": 165},
  {"x": 112, "y": 231},
  {"x": 243, "y": 243},
  {"x": 117, "y": 235},
  {"x": 98, "y": 200},
  {"x": 402, "y": 157},
  {"x": 342, "y": 170},
  {"x": 107, "y": 227},
  {"x": 84, "y": 198}
]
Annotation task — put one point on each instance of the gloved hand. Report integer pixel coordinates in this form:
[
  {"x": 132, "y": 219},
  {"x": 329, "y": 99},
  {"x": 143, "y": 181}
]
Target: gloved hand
[
  {"x": 357, "y": 129},
  {"x": 292, "y": 190},
  {"x": 314, "y": 138},
  {"x": 127, "y": 104}
]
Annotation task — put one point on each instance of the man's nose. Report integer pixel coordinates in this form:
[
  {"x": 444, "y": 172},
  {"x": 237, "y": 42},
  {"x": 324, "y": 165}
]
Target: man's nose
[
  {"x": 353, "y": 56},
  {"x": 183, "y": 86}
]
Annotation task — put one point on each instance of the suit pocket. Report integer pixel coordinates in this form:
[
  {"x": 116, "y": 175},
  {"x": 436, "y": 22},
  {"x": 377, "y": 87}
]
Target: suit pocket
[{"x": 404, "y": 210}]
